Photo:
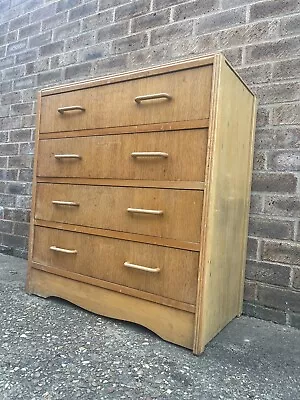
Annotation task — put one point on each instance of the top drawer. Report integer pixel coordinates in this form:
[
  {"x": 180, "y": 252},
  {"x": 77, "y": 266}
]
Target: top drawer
[{"x": 134, "y": 102}]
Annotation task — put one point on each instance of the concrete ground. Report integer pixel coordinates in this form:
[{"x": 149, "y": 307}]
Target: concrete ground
[{"x": 50, "y": 349}]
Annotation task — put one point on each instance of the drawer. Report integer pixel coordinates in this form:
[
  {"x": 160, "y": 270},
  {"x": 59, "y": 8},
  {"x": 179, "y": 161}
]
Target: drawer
[
  {"x": 166, "y": 272},
  {"x": 178, "y": 155},
  {"x": 115, "y": 105},
  {"x": 173, "y": 214}
]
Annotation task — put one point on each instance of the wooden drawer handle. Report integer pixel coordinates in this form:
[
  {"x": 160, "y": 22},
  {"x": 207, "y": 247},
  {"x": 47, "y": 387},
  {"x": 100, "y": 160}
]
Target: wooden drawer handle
[
  {"x": 149, "y": 154},
  {"x": 61, "y": 110},
  {"x": 65, "y": 203},
  {"x": 59, "y": 156},
  {"x": 153, "y": 96},
  {"x": 140, "y": 267},
  {"x": 144, "y": 211},
  {"x": 60, "y": 250}
]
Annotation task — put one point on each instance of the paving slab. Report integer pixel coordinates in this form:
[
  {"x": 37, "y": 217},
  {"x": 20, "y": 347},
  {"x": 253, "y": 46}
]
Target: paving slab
[{"x": 51, "y": 349}]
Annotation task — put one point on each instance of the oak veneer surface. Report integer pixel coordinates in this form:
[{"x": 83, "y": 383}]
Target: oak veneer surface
[
  {"x": 184, "y": 268},
  {"x": 107, "y": 208},
  {"x": 111, "y": 156},
  {"x": 104, "y": 258},
  {"x": 114, "y": 105}
]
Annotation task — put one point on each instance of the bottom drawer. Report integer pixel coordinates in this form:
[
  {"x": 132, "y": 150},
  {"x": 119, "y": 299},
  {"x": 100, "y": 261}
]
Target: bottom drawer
[{"x": 167, "y": 272}]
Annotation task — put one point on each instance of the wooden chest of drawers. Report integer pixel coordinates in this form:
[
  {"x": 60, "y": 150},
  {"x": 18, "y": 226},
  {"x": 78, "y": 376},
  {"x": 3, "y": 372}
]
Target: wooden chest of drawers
[{"x": 141, "y": 197}]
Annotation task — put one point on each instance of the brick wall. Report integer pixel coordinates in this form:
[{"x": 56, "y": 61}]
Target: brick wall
[{"x": 49, "y": 42}]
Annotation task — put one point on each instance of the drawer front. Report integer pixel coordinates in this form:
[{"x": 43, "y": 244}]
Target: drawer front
[
  {"x": 163, "y": 271},
  {"x": 115, "y": 105},
  {"x": 178, "y": 155},
  {"x": 173, "y": 214}
]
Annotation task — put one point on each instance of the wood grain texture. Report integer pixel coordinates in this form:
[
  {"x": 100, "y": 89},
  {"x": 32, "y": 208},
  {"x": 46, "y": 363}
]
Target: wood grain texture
[
  {"x": 115, "y": 105},
  {"x": 106, "y": 208},
  {"x": 173, "y": 325},
  {"x": 226, "y": 205},
  {"x": 192, "y": 62},
  {"x": 110, "y": 157},
  {"x": 103, "y": 258}
]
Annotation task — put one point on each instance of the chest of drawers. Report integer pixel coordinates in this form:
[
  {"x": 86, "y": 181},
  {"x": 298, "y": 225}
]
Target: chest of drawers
[{"x": 141, "y": 197}]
